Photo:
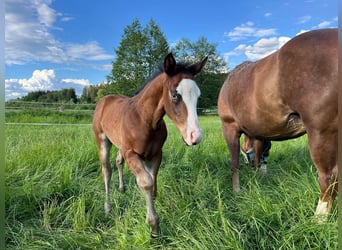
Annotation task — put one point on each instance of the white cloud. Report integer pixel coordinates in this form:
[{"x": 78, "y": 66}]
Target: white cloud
[
  {"x": 261, "y": 48},
  {"x": 247, "y": 30},
  {"x": 29, "y": 37},
  {"x": 46, "y": 15},
  {"x": 267, "y": 14},
  {"x": 82, "y": 82},
  {"x": 40, "y": 80},
  {"x": 332, "y": 23},
  {"x": 304, "y": 19},
  {"x": 324, "y": 24},
  {"x": 88, "y": 51},
  {"x": 67, "y": 19},
  {"x": 45, "y": 79}
]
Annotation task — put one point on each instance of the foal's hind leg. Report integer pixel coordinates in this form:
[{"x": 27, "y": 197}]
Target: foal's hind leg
[
  {"x": 119, "y": 164},
  {"x": 104, "y": 152},
  {"x": 323, "y": 150}
]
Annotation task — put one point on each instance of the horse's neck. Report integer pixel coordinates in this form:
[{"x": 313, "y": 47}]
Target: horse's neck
[{"x": 149, "y": 102}]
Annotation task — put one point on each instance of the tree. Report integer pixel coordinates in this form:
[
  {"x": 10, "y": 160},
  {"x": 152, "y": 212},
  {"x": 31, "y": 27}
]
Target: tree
[
  {"x": 156, "y": 46},
  {"x": 214, "y": 73},
  {"x": 136, "y": 57},
  {"x": 195, "y": 51},
  {"x": 63, "y": 95},
  {"x": 89, "y": 94}
]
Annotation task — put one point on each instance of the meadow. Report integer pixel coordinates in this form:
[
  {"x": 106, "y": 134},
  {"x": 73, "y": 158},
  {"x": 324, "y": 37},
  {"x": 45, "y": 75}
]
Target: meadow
[{"x": 55, "y": 194}]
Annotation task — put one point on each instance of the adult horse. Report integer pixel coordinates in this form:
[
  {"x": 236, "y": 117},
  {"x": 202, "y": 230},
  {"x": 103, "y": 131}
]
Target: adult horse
[
  {"x": 136, "y": 127},
  {"x": 285, "y": 95}
]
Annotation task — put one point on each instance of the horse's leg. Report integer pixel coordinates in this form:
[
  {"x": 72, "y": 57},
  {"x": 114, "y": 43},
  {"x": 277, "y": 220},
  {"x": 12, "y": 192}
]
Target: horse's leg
[
  {"x": 247, "y": 150},
  {"x": 152, "y": 167},
  {"x": 247, "y": 143},
  {"x": 145, "y": 183},
  {"x": 232, "y": 135},
  {"x": 258, "y": 147},
  {"x": 119, "y": 164},
  {"x": 323, "y": 150},
  {"x": 104, "y": 152}
]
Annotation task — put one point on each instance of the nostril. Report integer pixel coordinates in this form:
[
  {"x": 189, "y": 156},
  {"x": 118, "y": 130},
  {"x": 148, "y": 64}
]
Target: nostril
[
  {"x": 195, "y": 137},
  {"x": 192, "y": 135}
]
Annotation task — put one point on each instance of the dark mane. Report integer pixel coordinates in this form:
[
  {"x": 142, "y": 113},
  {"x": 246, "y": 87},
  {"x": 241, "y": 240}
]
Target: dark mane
[{"x": 181, "y": 67}]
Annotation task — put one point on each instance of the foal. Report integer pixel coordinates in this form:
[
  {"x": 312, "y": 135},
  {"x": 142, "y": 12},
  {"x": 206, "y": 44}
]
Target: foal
[{"x": 136, "y": 127}]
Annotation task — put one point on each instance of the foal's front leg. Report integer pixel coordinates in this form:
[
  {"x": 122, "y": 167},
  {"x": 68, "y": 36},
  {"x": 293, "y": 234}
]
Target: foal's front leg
[
  {"x": 152, "y": 167},
  {"x": 145, "y": 182}
]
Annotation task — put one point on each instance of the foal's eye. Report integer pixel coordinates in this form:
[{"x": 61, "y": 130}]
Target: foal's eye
[{"x": 175, "y": 96}]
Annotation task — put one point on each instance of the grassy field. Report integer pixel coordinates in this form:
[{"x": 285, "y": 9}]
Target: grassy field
[{"x": 55, "y": 194}]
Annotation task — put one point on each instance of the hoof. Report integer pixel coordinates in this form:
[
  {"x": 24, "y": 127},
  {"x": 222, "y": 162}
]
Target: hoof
[
  {"x": 263, "y": 168},
  {"x": 155, "y": 235},
  {"x": 122, "y": 189},
  {"x": 107, "y": 208},
  {"x": 321, "y": 218}
]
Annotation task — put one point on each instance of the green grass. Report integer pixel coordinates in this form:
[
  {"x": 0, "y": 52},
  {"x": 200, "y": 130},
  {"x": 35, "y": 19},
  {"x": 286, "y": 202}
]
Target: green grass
[
  {"x": 48, "y": 116},
  {"x": 55, "y": 194}
]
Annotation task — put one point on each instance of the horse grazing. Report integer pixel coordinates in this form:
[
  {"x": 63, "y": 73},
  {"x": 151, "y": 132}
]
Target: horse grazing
[
  {"x": 285, "y": 95},
  {"x": 136, "y": 127}
]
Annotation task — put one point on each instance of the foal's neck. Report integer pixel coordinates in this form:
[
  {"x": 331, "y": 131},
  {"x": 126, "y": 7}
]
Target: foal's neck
[{"x": 149, "y": 102}]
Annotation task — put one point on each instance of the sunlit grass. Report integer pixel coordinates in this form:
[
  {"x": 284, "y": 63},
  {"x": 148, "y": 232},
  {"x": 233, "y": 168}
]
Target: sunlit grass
[{"x": 55, "y": 195}]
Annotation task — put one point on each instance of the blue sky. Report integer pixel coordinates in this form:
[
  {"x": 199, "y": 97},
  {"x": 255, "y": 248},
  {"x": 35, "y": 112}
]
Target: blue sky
[{"x": 51, "y": 45}]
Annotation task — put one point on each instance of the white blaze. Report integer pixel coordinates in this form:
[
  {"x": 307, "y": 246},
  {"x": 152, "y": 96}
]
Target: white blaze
[{"x": 189, "y": 91}]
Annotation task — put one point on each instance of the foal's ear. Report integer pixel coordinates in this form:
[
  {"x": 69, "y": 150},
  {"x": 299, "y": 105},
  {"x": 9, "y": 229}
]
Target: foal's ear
[
  {"x": 197, "y": 67},
  {"x": 170, "y": 65}
]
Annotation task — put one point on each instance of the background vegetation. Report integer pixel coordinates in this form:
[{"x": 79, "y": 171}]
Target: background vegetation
[
  {"x": 55, "y": 194},
  {"x": 140, "y": 52}
]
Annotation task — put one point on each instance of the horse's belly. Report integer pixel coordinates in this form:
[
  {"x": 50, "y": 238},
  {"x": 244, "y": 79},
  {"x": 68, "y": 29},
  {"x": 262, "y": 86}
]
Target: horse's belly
[{"x": 286, "y": 127}]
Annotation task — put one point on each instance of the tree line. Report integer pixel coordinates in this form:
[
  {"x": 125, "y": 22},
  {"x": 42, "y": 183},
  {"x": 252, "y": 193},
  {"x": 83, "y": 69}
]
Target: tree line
[
  {"x": 139, "y": 53},
  {"x": 63, "y": 95}
]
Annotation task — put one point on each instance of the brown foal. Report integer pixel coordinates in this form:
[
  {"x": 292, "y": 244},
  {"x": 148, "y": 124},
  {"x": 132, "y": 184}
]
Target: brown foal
[{"x": 136, "y": 127}]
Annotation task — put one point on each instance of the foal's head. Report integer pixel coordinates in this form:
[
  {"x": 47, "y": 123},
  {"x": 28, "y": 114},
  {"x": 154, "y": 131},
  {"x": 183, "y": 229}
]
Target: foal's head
[{"x": 180, "y": 99}]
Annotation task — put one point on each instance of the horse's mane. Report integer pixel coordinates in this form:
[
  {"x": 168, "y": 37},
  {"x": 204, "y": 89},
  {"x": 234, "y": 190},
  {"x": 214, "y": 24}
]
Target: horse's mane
[{"x": 180, "y": 67}]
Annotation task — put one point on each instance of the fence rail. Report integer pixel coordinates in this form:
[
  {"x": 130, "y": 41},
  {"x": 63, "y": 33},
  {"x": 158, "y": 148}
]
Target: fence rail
[
  {"x": 49, "y": 105},
  {"x": 20, "y": 105}
]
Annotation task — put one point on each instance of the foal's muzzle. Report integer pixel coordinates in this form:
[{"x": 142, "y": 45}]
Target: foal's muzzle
[
  {"x": 193, "y": 144},
  {"x": 194, "y": 137}
]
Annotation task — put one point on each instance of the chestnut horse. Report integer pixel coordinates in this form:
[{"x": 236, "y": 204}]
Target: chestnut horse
[
  {"x": 136, "y": 127},
  {"x": 285, "y": 95}
]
